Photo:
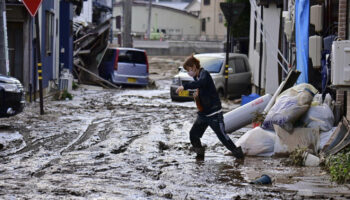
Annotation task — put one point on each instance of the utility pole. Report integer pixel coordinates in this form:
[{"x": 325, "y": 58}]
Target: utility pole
[
  {"x": 127, "y": 40},
  {"x": 149, "y": 19},
  {"x": 231, "y": 12},
  {"x": 3, "y": 48},
  {"x": 39, "y": 63}
]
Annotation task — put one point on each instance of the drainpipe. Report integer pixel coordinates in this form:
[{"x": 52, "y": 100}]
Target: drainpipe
[
  {"x": 149, "y": 19},
  {"x": 261, "y": 47},
  {"x": 284, "y": 39}
]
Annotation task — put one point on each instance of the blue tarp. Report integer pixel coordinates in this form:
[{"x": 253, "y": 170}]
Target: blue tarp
[{"x": 302, "y": 38}]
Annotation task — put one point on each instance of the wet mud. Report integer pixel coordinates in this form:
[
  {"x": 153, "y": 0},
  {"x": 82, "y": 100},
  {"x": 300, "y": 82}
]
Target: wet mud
[{"x": 133, "y": 143}]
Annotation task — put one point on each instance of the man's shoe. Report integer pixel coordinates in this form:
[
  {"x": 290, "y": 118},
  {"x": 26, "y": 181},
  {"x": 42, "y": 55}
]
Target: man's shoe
[
  {"x": 238, "y": 153},
  {"x": 200, "y": 151}
]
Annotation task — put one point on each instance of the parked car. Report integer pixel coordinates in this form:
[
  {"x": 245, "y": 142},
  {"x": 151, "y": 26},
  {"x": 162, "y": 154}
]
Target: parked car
[
  {"x": 12, "y": 99},
  {"x": 239, "y": 75},
  {"x": 127, "y": 66}
]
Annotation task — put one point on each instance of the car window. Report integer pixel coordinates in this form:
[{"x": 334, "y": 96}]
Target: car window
[
  {"x": 239, "y": 65},
  {"x": 231, "y": 65},
  {"x": 109, "y": 55},
  {"x": 128, "y": 56},
  {"x": 212, "y": 65}
]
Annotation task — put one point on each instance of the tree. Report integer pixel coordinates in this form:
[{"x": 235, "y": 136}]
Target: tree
[{"x": 241, "y": 27}]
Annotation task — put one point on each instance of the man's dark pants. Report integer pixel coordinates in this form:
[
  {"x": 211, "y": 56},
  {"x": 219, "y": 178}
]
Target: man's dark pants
[{"x": 216, "y": 122}]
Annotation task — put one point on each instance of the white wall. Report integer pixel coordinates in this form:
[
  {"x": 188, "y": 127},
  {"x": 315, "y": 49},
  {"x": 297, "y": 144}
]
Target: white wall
[
  {"x": 174, "y": 22},
  {"x": 269, "y": 78},
  {"x": 86, "y": 13}
]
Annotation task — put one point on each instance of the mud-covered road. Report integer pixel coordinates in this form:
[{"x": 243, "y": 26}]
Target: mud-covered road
[{"x": 133, "y": 143}]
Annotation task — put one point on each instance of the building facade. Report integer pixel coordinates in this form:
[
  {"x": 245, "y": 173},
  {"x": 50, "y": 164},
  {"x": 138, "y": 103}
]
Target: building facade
[
  {"x": 212, "y": 19},
  {"x": 164, "y": 19}
]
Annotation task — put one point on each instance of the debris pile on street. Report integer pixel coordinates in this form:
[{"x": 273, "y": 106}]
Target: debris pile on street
[
  {"x": 90, "y": 44},
  {"x": 299, "y": 118}
]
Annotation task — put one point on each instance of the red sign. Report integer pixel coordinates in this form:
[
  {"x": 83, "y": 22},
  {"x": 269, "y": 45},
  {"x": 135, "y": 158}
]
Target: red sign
[{"x": 32, "y": 6}]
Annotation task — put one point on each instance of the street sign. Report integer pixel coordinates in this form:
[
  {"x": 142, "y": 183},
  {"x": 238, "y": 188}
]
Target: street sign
[{"x": 32, "y": 6}]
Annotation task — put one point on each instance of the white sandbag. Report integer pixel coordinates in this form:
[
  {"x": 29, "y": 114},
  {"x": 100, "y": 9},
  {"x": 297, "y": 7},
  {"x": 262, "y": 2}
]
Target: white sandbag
[
  {"x": 257, "y": 142},
  {"x": 297, "y": 89},
  {"x": 325, "y": 136},
  {"x": 288, "y": 109},
  {"x": 319, "y": 116},
  {"x": 317, "y": 100},
  {"x": 286, "y": 141}
]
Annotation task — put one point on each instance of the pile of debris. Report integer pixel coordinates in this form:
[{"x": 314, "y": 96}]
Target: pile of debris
[
  {"x": 90, "y": 45},
  {"x": 298, "y": 117}
]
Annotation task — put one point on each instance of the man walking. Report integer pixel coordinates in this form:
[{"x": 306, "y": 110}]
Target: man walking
[{"x": 209, "y": 109}]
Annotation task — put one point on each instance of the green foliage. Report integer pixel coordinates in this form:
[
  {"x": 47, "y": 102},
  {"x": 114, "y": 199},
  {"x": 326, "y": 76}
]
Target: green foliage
[
  {"x": 259, "y": 117},
  {"x": 75, "y": 85},
  {"x": 339, "y": 166},
  {"x": 63, "y": 95},
  {"x": 296, "y": 158},
  {"x": 241, "y": 27}
]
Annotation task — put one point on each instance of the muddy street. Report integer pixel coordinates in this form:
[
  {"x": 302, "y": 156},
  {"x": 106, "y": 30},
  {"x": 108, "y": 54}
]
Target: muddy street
[{"x": 133, "y": 143}]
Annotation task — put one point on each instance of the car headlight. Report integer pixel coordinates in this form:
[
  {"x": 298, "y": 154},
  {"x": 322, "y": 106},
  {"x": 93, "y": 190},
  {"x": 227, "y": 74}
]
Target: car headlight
[
  {"x": 9, "y": 87},
  {"x": 176, "y": 81}
]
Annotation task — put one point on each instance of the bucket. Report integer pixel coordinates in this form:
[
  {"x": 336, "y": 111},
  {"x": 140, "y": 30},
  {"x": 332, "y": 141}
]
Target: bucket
[
  {"x": 263, "y": 180},
  {"x": 310, "y": 160}
]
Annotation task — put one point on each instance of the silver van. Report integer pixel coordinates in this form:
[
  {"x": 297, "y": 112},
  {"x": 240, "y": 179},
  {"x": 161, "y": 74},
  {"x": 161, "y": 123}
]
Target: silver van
[{"x": 239, "y": 75}]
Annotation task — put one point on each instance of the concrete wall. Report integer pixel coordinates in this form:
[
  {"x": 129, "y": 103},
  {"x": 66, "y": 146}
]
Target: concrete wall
[
  {"x": 174, "y": 22},
  {"x": 177, "y": 48},
  {"x": 269, "y": 63}
]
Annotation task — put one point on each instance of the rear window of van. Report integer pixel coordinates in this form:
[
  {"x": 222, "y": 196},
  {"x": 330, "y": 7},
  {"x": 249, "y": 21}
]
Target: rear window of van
[{"x": 129, "y": 56}]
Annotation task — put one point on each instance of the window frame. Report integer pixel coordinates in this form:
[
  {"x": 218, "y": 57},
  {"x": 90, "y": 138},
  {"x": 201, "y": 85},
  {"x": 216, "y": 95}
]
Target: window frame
[{"x": 49, "y": 31}]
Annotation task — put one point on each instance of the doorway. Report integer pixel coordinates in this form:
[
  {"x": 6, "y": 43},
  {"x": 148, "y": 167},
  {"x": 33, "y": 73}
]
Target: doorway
[{"x": 15, "y": 46}]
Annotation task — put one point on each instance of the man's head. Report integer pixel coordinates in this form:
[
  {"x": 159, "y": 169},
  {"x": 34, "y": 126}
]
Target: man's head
[{"x": 192, "y": 65}]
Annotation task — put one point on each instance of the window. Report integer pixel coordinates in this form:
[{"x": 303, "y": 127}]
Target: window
[
  {"x": 231, "y": 65},
  {"x": 212, "y": 65},
  {"x": 203, "y": 24},
  {"x": 240, "y": 65},
  {"x": 206, "y": 2},
  {"x": 221, "y": 18},
  {"x": 127, "y": 56},
  {"x": 49, "y": 31},
  {"x": 255, "y": 29}
]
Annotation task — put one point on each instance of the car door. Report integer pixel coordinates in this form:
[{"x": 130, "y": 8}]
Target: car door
[
  {"x": 239, "y": 76},
  {"x": 232, "y": 85}
]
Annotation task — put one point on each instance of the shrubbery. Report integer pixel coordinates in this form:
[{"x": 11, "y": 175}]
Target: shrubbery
[{"x": 339, "y": 166}]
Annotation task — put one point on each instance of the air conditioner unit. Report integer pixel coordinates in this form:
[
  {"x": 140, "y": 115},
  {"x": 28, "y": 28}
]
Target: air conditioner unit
[
  {"x": 315, "y": 47},
  {"x": 340, "y": 74},
  {"x": 316, "y": 17},
  {"x": 66, "y": 80}
]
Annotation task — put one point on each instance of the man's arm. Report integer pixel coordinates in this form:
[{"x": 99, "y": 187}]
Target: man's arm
[{"x": 200, "y": 83}]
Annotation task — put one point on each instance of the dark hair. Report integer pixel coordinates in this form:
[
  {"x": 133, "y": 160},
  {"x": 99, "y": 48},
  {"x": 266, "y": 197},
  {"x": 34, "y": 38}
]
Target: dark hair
[{"x": 190, "y": 61}]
